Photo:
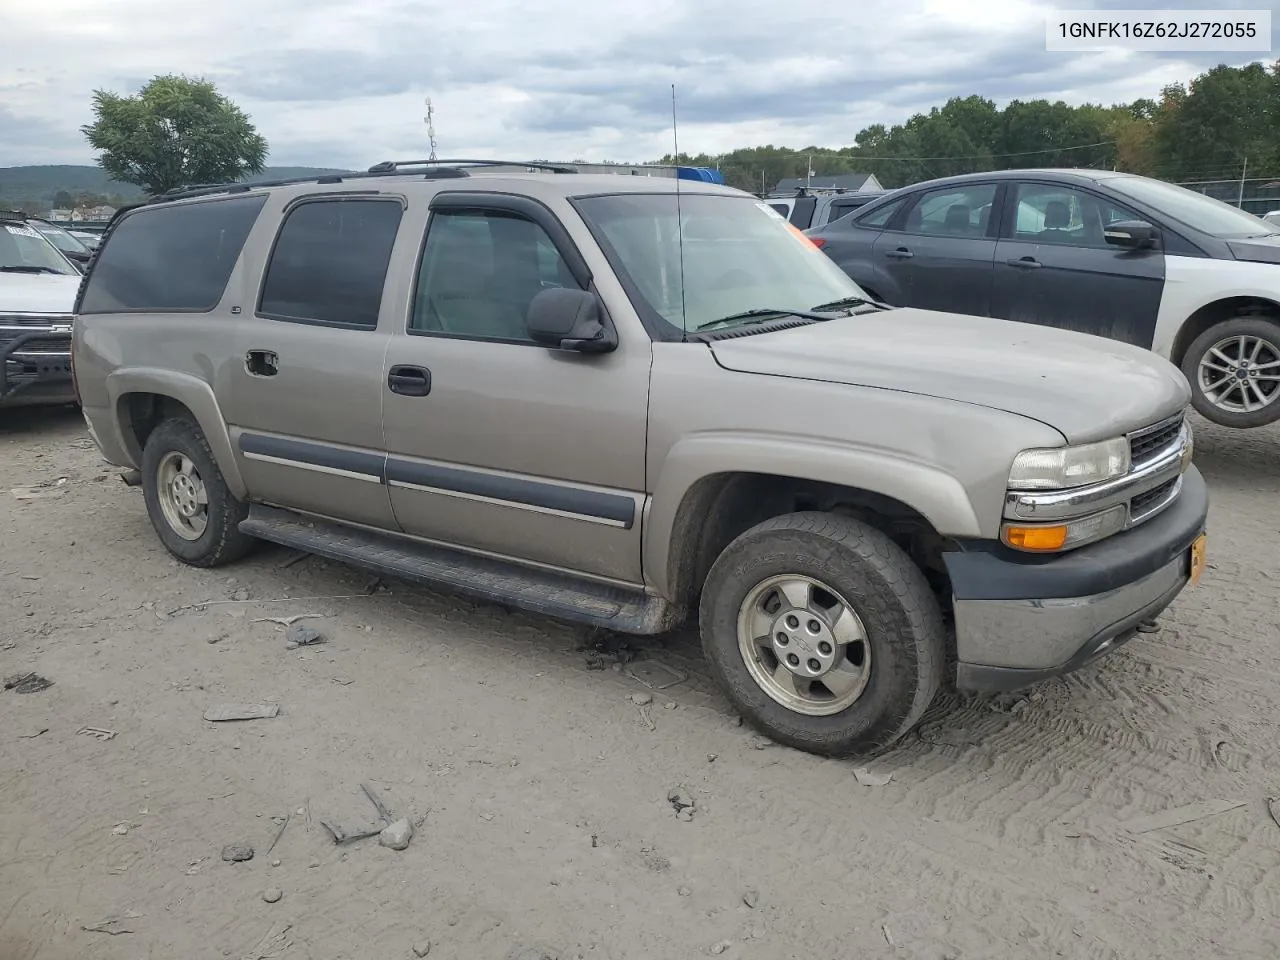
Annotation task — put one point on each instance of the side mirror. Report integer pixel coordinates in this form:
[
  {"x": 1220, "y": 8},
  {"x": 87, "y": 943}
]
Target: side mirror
[
  {"x": 567, "y": 319},
  {"x": 1132, "y": 234}
]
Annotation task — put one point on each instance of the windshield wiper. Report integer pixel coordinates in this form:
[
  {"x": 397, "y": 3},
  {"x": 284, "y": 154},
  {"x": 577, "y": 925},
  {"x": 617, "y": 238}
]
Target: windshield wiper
[
  {"x": 851, "y": 302},
  {"x": 760, "y": 313},
  {"x": 25, "y": 269}
]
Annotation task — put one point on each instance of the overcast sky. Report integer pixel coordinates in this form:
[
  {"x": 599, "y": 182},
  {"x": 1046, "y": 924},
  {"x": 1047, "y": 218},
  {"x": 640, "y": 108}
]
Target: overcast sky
[{"x": 342, "y": 82}]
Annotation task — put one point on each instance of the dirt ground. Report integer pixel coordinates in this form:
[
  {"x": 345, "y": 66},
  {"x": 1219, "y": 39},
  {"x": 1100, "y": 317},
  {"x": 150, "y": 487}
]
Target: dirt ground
[{"x": 1012, "y": 828}]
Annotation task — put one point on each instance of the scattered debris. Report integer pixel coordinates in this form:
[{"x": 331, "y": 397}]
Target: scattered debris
[
  {"x": 288, "y": 621},
  {"x": 642, "y": 699},
  {"x": 751, "y": 898},
  {"x": 684, "y": 891},
  {"x": 216, "y": 639},
  {"x": 290, "y": 561},
  {"x": 284, "y": 822},
  {"x": 38, "y": 492},
  {"x": 241, "y": 711},
  {"x": 712, "y": 757},
  {"x": 237, "y": 852},
  {"x": 721, "y": 947},
  {"x": 397, "y": 835},
  {"x": 98, "y": 733},
  {"x": 646, "y": 717},
  {"x": 682, "y": 802},
  {"x": 385, "y": 819},
  {"x": 272, "y": 895},
  {"x": 112, "y": 926},
  {"x": 343, "y": 681},
  {"x": 273, "y": 943},
  {"x": 31, "y": 736},
  {"x": 531, "y": 953},
  {"x": 1184, "y": 814},
  {"x": 669, "y": 705},
  {"x": 422, "y": 948},
  {"x": 120, "y": 829},
  {"x": 761, "y": 743},
  {"x": 241, "y": 595},
  {"x": 1273, "y": 808},
  {"x": 29, "y": 577},
  {"x": 870, "y": 779},
  {"x": 888, "y": 937},
  {"x": 655, "y": 674},
  {"x": 376, "y": 586},
  {"x": 27, "y": 683},
  {"x": 605, "y": 649},
  {"x": 301, "y": 635},
  {"x": 205, "y": 604}
]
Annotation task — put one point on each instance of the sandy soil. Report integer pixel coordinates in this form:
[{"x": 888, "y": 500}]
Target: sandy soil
[{"x": 1011, "y": 828}]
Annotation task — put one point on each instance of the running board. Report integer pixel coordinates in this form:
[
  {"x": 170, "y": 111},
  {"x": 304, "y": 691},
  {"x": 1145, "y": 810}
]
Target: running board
[{"x": 528, "y": 588}]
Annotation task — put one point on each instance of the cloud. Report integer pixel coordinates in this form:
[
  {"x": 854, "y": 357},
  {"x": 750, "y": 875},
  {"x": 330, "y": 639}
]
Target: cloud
[{"x": 342, "y": 82}]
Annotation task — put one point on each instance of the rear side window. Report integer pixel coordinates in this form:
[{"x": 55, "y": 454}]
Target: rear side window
[
  {"x": 330, "y": 263},
  {"x": 881, "y": 216},
  {"x": 173, "y": 258}
]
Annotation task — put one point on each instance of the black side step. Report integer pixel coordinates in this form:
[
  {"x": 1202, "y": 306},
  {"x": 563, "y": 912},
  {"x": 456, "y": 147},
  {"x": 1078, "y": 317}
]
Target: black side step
[{"x": 528, "y": 588}]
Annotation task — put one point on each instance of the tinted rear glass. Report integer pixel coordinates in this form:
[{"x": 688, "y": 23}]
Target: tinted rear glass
[
  {"x": 330, "y": 262},
  {"x": 170, "y": 258}
]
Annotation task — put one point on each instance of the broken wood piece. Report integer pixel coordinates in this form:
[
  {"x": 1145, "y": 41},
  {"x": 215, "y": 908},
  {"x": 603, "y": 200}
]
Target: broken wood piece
[
  {"x": 1184, "y": 814},
  {"x": 381, "y": 807},
  {"x": 341, "y": 836},
  {"x": 98, "y": 733},
  {"x": 241, "y": 711}
]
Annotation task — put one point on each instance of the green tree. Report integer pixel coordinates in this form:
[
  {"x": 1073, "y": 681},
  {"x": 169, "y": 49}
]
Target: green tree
[
  {"x": 63, "y": 200},
  {"x": 177, "y": 131}
]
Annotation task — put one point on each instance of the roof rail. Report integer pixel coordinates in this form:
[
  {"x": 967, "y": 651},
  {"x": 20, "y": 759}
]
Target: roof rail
[
  {"x": 390, "y": 166},
  {"x": 209, "y": 189}
]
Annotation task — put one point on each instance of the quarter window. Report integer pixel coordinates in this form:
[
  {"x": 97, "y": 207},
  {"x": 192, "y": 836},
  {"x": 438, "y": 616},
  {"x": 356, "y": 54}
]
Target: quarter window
[
  {"x": 480, "y": 271},
  {"x": 953, "y": 211},
  {"x": 330, "y": 263},
  {"x": 1049, "y": 213},
  {"x": 170, "y": 258}
]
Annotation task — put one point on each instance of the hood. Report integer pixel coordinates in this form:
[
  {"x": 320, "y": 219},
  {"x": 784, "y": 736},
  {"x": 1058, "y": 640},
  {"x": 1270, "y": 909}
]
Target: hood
[
  {"x": 1086, "y": 387},
  {"x": 38, "y": 293},
  {"x": 1256, "y": 249}
]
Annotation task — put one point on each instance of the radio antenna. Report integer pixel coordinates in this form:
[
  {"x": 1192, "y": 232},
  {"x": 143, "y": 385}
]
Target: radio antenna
[{"x": 675, "y": 143}]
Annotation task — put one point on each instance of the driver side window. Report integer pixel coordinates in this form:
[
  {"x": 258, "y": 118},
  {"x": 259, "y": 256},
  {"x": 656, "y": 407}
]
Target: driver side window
[
  {"x": 1050, "y": 213},
  {"x": 479, "y": 272}
]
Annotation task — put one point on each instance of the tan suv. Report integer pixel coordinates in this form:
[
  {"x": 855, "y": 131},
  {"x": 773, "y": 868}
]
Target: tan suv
[{"x": 623, "y": 401}]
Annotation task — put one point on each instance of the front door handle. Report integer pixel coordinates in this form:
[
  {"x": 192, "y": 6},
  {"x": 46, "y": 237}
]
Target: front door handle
[
  {"x": 409, "y": 381},
  {"x": 1025, "y": 263},
  {"x": 902, "y": 253},
  {"x": 261, "y": 363}
]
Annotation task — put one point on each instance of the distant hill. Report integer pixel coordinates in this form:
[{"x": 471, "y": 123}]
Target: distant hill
[{"x": 41, "y": 184}]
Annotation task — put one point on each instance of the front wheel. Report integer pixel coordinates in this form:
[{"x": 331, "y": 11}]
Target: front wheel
[
  {"x": 1234, "y": 372},
  {"x": 193, "y": 512},
  {"x": 823, "y": 633}
]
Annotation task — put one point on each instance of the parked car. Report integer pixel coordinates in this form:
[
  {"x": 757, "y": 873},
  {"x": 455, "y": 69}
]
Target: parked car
[
  {"x": 622, "y": 401},
  {"x": 1126, "y": 257},
  {"x": 71, "y": 246},
  {"x": 808, "y": 209},
  {"x": 37, "y": 292},
  {"x": 1272, "y": 216}
]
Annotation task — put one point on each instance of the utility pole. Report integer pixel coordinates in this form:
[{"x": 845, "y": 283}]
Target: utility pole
[
  {"x": 808, "y": 170},
  {"x": 1244, "y": 168},
  {"x": 430, "y": 119}
]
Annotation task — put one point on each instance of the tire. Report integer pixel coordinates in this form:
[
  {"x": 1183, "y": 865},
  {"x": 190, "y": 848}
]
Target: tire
[
  {"x": 903, "y": 653},
  {"x": 174, "y": 443},
  {"x": 1228, "y": 410}
]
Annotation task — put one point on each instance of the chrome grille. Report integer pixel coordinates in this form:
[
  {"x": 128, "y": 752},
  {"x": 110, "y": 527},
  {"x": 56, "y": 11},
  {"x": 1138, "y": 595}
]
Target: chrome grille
[{"x": 1149, "y": 442}]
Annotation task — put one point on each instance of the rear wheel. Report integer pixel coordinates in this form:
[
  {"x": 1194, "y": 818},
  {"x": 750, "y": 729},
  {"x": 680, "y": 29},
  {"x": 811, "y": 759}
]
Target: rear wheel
[
  {"x": 822, "y": 633},
  {"x": 1234, "y": 372},
  {"x": 193, "y": 512}
]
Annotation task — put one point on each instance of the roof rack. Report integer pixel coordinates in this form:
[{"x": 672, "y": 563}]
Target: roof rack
[
  {"x": 388, "y": 166},
  {"x": 437, "y": 170}
]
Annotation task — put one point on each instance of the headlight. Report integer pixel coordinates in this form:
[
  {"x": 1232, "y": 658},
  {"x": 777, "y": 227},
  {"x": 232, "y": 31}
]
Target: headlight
[{"x": 1059, "y": 468}]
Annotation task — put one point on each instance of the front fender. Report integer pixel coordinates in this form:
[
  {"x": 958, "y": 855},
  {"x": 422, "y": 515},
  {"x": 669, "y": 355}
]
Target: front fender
[
  {"x": 194, "y": 394},
  {"x": 939, "y": 497}
]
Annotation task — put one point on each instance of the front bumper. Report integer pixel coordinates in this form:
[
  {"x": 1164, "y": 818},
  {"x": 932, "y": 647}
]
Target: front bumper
[
  {"x": 35, "y": 368},
  {"x": 1021, "y": 619}
]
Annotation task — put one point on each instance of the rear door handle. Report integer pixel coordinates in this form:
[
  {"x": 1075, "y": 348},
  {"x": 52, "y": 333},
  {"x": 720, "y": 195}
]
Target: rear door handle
[
  {"x": 1025, "y": 263},
  {"x": 902, "y": 253},
  {"x": 409, "y": 381}
]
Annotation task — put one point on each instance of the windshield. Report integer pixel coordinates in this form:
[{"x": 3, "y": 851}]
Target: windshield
[
  {"x": 1197, "y": 211},
  {"x": 24, "y": 250},
  {"x": 739, "y": 255},
  {"x": 60, "y": 238}
]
